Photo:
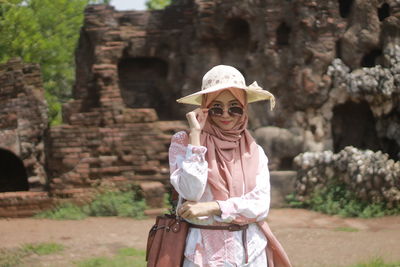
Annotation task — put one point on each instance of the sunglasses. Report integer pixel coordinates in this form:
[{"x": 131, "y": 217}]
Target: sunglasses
[{"x": 233, "y": 111}]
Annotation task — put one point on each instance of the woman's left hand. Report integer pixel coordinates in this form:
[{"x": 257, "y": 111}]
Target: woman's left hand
[{"x": 191, "y": 210}]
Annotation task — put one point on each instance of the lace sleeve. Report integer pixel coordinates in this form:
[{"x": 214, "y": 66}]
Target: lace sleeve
[{"x": 188, "y": 167}]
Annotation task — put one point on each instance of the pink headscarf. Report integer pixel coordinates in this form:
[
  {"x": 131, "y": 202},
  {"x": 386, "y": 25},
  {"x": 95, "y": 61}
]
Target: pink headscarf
[
  {"x": 232, "y": 155},
  {"x": 233, "y": 159}
]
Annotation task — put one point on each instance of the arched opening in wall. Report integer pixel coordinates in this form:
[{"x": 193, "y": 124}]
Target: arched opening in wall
[
  {"x": 371, "y": 59},
  {"x": 13, "y": 175},
  {"x": 142, "y": 82},
  {"x": 283, "y": 34},
  {"x": 353, "y": 124},
  {"x": 345, "y": 7},
  {"x": 338, "y": 49},
  {"x": 235, "y": 41},
  {"x": 383, "y": 11}
]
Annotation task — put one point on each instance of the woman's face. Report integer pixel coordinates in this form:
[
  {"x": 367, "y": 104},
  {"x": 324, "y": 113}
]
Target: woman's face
[{"x": 225, "y": 100}]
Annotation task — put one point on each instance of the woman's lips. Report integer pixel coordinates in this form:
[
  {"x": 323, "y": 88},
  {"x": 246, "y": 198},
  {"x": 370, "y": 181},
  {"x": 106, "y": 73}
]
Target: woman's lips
[{"x": 225, "y": 122}]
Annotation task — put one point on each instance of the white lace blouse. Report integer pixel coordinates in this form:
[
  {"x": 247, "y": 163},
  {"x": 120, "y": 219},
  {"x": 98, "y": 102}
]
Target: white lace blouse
[{"x": 189, "y": 170}]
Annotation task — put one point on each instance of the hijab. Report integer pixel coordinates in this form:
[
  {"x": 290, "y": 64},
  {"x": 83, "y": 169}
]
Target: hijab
[{"x": 232, "y": 155}]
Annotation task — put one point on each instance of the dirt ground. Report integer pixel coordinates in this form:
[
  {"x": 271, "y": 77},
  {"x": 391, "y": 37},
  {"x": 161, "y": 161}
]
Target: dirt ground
[{"x": 310, "y": 238}]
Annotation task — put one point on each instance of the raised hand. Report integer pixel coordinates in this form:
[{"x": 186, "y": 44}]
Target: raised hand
[{"x": 196, "y": 119}]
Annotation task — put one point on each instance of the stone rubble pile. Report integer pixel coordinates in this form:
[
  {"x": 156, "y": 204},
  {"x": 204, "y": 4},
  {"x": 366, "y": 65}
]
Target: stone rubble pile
[
  {"x": 372, "y": 176},
  {"x": 378, "y": 85}
]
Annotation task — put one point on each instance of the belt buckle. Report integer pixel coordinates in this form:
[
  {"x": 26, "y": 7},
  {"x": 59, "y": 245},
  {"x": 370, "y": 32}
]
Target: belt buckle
[{"x": 234, "y": 227}]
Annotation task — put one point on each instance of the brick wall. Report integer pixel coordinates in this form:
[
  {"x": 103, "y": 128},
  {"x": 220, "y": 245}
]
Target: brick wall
[
  {"x": 23, "y": 122},
  {"x": 134, "y": 148}
]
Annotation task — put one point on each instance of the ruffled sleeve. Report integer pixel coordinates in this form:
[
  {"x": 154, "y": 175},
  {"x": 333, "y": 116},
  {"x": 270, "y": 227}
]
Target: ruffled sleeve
[{"x": 188, "y": 167}]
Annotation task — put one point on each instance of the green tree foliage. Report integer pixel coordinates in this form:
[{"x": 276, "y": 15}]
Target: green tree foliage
[
  {"x": 44, "y": 32},
  {"x": 157, "y": 4}
]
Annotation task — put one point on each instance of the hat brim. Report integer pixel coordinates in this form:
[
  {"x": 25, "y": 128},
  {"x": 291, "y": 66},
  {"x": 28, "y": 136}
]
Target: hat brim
[{"x": 254, "y": 93}]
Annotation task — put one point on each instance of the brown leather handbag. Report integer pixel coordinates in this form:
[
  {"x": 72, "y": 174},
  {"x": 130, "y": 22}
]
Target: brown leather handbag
[{"x": 166, "y": 242}]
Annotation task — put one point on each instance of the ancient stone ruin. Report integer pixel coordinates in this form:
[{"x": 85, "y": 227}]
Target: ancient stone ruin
[
  {"x": 334, "y": 67},
  {"x": 42, "y": 166},
  {"x": 23, "y": 124},
  {"x": 328, "y": 62}
]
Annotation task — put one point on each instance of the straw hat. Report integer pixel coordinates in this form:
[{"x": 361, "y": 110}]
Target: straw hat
[{"x": 221, "y": 77}]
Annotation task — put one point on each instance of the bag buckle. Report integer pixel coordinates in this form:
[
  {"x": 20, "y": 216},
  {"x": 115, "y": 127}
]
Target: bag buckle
[{"x": 176, "y": 226}]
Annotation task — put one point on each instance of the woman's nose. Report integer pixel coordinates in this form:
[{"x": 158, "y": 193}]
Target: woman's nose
[{"x": 225, "y": 113}]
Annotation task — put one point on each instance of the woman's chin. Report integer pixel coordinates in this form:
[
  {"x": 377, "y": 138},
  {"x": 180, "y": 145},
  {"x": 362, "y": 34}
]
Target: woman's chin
[{"x": 226, "y": 127}]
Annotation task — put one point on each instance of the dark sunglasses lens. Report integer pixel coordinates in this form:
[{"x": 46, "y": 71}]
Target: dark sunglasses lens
[
  {"x": 215, "y": 111},
  {"x": 236, "y": 111}
]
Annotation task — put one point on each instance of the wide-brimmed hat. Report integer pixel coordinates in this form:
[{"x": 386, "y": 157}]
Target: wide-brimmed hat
[{"x": 222, "y": 77}]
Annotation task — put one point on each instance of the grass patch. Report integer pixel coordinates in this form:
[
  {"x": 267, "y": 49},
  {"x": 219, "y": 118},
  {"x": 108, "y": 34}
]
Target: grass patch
[
  {"x": 11, "y": 257},
  {"x": 125, "y": 257},
  {"x": 123, "y": 204},
  {"x": 109, "y": 203},
  {"x": 66, "y": 211},
  {"x": 14, "y": 257},
  {"x": 377, "y": 262},
  {"x": 346, "y": 229},
  {"x": 132, "y": 252},
  {"x": 43, "y": 248},
  {"x": 337, "y": 199}
]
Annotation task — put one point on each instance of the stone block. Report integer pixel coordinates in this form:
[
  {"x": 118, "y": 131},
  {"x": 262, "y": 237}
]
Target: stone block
[
  {"x": 153, "y": 193},
  {"x": 282, "y": 184}
]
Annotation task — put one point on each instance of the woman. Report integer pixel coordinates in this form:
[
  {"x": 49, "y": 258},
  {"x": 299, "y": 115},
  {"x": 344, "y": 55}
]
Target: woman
[{"x": 222, "y": 175}]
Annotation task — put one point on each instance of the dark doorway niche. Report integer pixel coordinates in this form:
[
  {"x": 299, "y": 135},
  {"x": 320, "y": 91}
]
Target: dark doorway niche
[
  {"x": 13, "y": 175},
  {"x": 142, "y": 82},
  {"x": 234, "y": 42},
  {"x": 338, "y": 49},
  {"x": 345, "y": 7},
  {"x": 236, "y": 33},
  {"x": 371, "y": 59},
  {"x": 353, "y": 124},
  {"x": 391, "y": 147},
  {"x": 84, "y": 60},
  {"x": 383, "y": 11},
  {"x": 286, "y": 163},
  {"x": 388, "y": 134},
  {"x": 283, "y": 34}
]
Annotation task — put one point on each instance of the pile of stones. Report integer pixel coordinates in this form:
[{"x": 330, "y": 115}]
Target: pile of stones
[{"x": 371, "y": 176}]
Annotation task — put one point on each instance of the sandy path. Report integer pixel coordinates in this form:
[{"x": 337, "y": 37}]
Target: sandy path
[{"x": 310, "y": 238}]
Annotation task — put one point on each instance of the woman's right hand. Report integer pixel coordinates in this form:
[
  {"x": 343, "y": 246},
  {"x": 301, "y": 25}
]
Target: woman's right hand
[{"x": 196, "y": 119}]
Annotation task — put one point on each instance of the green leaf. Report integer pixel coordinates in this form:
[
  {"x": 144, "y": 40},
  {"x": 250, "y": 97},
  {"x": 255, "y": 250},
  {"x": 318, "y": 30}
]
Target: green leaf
[{"x": 157, "y": 4}]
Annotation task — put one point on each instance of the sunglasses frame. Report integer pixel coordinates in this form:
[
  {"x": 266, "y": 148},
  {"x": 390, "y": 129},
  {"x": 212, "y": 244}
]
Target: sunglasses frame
[{"x": 230, "y": 112}]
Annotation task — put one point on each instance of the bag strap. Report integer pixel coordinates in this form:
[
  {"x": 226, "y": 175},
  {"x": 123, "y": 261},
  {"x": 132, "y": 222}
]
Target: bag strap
[
  {"x": 174, "y": 200},
  {"x": 174, "y": 195},
  {"x": 229, "y": 227}
]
